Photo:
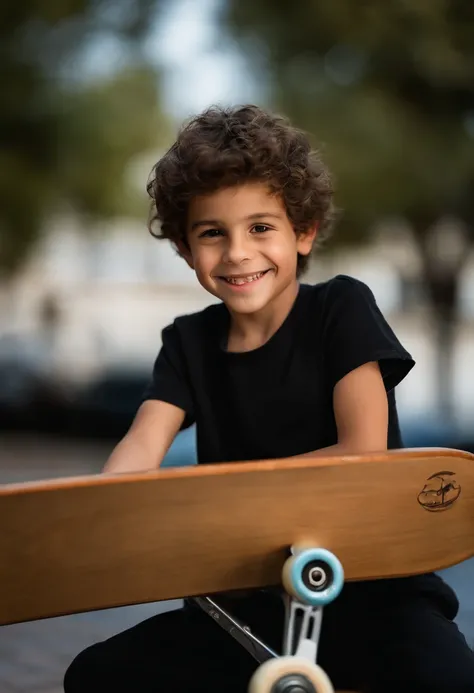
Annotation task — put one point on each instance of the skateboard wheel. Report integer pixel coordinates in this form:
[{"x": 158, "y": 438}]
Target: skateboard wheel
[
  {"x": 290, "y": 675},
  {"x": 314, "y": 576}
]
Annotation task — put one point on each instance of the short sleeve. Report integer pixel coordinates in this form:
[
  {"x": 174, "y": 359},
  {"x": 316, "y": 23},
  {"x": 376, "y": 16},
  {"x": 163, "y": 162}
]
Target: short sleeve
[
  {"x": 356, "y": 332},
  {"x": 169, "y": 382}
]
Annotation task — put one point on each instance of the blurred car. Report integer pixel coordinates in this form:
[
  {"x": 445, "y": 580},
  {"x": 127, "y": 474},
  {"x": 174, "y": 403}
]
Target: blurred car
[
  {"x": 105, "y": 408},
  {"x": 432, "y": 431},
  {"x": 30, "y": 400},
  {"x": 18, "y": 383}
]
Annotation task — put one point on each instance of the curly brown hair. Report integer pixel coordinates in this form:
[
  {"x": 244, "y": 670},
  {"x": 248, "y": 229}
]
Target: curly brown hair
[{"x": 225, "y": 147}]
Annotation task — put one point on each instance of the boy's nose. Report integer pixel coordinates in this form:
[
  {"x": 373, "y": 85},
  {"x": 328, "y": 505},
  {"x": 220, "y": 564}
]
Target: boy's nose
[{"x": 237, "y": 250}]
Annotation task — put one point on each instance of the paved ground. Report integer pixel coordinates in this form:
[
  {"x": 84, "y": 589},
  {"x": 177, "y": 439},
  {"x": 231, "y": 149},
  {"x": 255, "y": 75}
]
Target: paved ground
[{"x": 34, "y": 656}]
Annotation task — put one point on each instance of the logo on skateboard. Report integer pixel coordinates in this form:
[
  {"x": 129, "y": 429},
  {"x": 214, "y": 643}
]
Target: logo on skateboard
[{"x": 440, "y": 492}]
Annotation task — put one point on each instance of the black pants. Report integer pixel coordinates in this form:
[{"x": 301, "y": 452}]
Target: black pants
[{"x": 377, "y": 637}]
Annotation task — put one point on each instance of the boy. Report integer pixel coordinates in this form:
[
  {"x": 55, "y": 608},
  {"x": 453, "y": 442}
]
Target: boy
[{"x": 277, "y": 369}]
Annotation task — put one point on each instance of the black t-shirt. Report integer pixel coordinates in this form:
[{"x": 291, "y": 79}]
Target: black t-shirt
[{"x": 276, "y": 401}]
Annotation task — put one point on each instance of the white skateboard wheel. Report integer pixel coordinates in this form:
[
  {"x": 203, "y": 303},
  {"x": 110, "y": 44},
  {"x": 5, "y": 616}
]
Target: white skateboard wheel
[
  {"x": 285, "y": 674},
  {"x": 313, "y": 576}
]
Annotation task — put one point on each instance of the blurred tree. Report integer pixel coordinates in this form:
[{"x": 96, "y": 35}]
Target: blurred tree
[
  {"x": 68, "y": 134},
  {"x": 389, "y": 89},
  {"x": 102, "y": 128}
]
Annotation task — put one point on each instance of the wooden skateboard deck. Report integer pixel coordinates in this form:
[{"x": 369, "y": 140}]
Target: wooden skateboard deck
[{"x": 87, "y": 543}]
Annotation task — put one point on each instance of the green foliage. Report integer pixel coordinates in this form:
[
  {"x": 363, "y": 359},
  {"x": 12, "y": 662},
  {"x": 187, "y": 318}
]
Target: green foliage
[
  {"x": 65, "y": 138},
  {"x": 103, "y": 128},
  {"x": 388, "y": 88}
]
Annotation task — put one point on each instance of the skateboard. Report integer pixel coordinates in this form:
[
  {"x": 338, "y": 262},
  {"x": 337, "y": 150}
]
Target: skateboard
[{"x": 304, "y": 526}]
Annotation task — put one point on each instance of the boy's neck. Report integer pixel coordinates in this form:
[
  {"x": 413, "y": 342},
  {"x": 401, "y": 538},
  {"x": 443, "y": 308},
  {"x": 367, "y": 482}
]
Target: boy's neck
[{"x": 249, "y": 331}]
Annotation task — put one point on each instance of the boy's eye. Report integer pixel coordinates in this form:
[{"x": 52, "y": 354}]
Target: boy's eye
[
  {"x": 209, "y": 233},
  {"x": 260, "y": 228}
]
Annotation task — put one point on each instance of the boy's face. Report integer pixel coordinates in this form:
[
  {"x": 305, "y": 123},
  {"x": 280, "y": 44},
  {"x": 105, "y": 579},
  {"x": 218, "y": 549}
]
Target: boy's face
[{"x": 242, "y": 246}]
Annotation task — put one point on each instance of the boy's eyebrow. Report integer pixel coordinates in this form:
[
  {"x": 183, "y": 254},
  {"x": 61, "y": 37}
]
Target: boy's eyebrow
[
  {"x": 205, "y": 222},
  {"x": 262, "y": 215},
  {"x": 250, "y": 217}
]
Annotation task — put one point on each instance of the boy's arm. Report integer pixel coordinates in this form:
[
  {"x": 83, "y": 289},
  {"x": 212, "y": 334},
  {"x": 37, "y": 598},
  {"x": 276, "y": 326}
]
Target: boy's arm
[
  {"x": 144, "y": 446},
  {"x": 361, "y": 412}
]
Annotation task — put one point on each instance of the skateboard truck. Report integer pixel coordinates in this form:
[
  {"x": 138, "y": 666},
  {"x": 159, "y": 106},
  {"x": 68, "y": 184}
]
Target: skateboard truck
[
  {"x": 237, "y": 630},
  {"x": 312, "y": 578}
]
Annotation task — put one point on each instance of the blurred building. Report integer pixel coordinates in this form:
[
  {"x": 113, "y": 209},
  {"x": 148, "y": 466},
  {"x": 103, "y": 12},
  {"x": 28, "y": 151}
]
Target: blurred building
[{"x": 91, "y": 301}]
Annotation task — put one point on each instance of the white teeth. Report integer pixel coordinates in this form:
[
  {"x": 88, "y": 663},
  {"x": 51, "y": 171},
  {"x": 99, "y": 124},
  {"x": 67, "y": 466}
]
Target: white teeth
[{"x": 244, "y": 280}]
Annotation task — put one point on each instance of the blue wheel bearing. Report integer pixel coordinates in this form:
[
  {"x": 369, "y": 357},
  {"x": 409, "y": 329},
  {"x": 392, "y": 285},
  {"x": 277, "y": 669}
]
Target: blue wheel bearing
[{"x": 301, "y": 566}]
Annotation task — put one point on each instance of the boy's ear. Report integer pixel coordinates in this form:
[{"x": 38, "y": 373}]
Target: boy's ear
[
  {"x": 305, "y": 240},
  {"x": 185, "y": 253}
]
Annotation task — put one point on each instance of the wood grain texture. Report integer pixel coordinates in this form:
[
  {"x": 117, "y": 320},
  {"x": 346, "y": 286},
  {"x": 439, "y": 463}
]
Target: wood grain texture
[{"x": 87, "y": 543}]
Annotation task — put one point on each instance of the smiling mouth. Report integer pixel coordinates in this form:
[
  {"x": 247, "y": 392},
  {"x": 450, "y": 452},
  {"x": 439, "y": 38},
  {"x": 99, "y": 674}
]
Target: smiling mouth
[{"x": 238, "y": 280}]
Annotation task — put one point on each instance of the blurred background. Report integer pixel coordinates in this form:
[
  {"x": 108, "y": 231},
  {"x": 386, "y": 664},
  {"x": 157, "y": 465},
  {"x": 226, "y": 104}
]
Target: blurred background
[{"x": 92, "y": 93}]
